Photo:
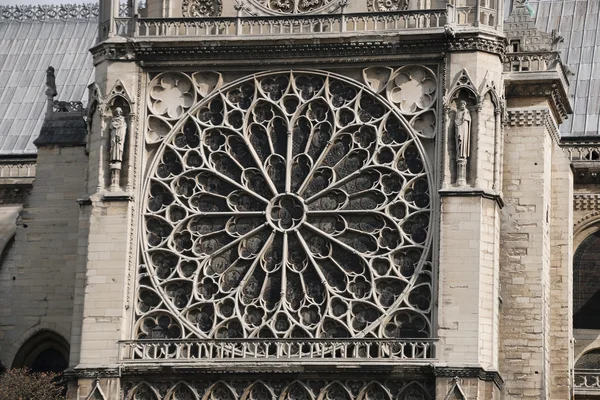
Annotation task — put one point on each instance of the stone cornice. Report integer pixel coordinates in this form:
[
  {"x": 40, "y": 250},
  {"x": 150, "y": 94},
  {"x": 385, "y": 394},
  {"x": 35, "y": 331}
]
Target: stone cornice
[
  {"x": 535, "y": 117},
  {"x": 17, "y": 171},
  {"x": 472, "y": 192},
  {"x": 547, "y": 84},
  {"x": 267, "y": 52},
  {"x": 584, "y": 154}
]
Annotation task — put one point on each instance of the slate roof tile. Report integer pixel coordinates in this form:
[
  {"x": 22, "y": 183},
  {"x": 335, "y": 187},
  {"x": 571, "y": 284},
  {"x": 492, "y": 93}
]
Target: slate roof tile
[
  {"x": 577, "y": 21},
  {"x": 27, "y": 48}
]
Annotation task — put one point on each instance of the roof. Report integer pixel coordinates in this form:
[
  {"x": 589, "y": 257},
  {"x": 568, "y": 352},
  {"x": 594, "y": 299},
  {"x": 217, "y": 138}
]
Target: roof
[
  {"x": 31, "y": 39},
  {"x": 578, "y": 22}
]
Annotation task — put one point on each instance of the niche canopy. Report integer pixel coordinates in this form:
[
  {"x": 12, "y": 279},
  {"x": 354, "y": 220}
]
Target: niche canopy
[{"x": 285, "y": 205}]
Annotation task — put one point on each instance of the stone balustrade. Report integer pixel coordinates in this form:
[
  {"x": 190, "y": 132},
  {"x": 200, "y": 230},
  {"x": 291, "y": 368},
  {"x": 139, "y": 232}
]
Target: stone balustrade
[
  {"x": 581, "y": 149},
  {"x": 587, "y": 382},
  {"x": 333, "y": 24},
  {"x": 288, "y": 350}
]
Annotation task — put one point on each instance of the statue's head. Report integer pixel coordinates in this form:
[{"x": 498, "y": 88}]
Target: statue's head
[
  {"x": 118, "y": 112},
  {"x": 462, "y": 105},
  {"x": 50, "y": 70}
]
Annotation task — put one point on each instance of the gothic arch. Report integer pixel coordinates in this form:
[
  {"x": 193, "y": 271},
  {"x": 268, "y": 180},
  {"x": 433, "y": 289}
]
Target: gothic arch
[
  {"x": 30, "y": 333},
  {"x": 228, "y": 153},
  {"x": 589, "y": 358},
  {"x": 463, "y": 84},
  {"x": 44, "y": 351},
  {"x": 586, "y": 282},
  {"x": 586, "y": 226}
]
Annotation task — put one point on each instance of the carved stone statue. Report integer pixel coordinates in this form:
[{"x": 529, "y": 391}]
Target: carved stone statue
[
  {"x": 118, "y": 130},
  {"x": 462, "y": 130},
  {"x": 50, "y": 83},
  {"x": 462, "y": 124}
]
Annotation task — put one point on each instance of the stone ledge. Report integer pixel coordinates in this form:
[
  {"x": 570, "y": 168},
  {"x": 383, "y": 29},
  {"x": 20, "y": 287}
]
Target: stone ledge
[{"x": 472, "y": 192}]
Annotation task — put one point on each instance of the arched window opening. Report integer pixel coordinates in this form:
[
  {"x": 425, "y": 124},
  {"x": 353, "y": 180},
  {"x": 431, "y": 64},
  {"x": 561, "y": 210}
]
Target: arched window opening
[
  {"x": 590, "y": 360},
  {"x": 44, "y": 352},
  {"x": 586, "y": 284}
]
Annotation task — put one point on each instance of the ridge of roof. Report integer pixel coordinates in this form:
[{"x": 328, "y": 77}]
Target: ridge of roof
[{"x": 51, "y": 12}]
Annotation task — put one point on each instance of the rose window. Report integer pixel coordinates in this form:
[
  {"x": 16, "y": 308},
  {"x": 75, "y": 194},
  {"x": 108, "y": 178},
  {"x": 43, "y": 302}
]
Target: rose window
[{"x": 286, "y": 205}]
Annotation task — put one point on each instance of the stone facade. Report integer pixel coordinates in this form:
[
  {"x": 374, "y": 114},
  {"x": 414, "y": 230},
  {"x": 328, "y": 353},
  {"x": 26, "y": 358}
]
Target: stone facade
[{"x": 263, "y": 201}]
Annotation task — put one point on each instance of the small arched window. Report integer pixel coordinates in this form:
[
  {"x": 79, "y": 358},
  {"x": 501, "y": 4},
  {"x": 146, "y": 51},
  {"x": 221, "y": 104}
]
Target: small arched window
[{"x": 586, "y": 284}]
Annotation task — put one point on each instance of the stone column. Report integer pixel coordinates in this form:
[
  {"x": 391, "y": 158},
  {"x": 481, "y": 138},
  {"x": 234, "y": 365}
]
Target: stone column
[
  {"x": 469, "y": 251},
  {"x": 105, "y": 306}
]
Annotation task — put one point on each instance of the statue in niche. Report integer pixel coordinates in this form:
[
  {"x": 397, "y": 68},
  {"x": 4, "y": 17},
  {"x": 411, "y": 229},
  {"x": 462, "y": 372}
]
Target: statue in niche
[
  {"x": 118, "y": 130},
  {"x": 462, "y": 130},
  {"x": 462, "y": 123}
]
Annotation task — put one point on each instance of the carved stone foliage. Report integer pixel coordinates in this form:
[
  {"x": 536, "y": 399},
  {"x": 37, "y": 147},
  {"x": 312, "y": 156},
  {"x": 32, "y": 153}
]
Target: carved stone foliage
[
  {"x": 278, "y": 7},
  {"x": 49, "y": 12},
  {"x": 201, "y": 8},
  {"x": 288, "y": 205},
  {"x": 412, "y": 89},
  {"x": 280, "y": 390},
  {"x": 387, "y": 5}
]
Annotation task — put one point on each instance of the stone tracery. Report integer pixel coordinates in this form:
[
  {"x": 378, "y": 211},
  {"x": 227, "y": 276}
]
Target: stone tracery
[
  {"x": 290, "y": 205},
  {"x": 278, "y": 7},
  {"x": 281, "y": 390}
]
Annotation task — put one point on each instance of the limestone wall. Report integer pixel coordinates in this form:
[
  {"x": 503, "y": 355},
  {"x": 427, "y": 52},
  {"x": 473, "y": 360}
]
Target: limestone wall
[{"x": 38, "y": 275}]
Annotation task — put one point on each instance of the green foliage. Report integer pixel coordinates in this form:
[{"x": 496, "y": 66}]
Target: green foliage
[{"x": 21, "y": 384}]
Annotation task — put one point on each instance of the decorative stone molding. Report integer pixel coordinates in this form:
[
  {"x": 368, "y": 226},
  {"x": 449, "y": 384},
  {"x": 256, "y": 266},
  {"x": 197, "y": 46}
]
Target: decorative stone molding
[
  {"x": 527, "y": 117},
  {"x": 17, "y": 170},
  {"x": 559, "y": 102},
  {"x": 494, "y": 46},
  {"x": 292, "y": 7},
  {"x": 470, "y": 372},
  {"x": 201, "y": 8},
  {"x": 586, "y": 202},
  {"x": 534, "y": 117},
  {"x": 265, "y": 54},
  {"x": 469, "y": 192},
  {"x": 585, "y": 221},
  {"x": 387, "y": 5},
  {"x": 282, "y": 389},
  {"x": 65, "y": 12}
]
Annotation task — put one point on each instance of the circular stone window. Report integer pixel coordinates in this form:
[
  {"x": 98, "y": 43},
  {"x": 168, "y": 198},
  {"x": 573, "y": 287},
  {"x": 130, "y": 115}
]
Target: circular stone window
[{"x": 286, "y": 205}]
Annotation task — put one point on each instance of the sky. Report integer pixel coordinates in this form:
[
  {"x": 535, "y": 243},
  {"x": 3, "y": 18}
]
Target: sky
[{"x": 24, "y": 2}]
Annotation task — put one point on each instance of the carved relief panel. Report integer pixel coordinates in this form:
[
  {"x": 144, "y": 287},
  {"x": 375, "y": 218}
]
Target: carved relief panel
[{"x": 288, "y": 205}]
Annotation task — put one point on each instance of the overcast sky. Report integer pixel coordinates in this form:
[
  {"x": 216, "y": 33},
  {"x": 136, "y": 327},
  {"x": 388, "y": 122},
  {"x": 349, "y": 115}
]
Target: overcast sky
[{"x": 23, "y": 2}]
